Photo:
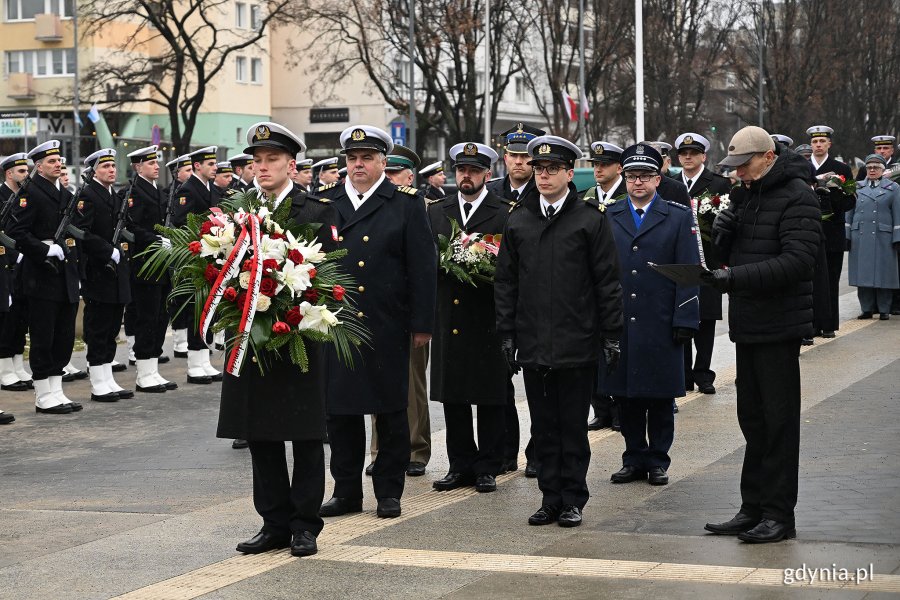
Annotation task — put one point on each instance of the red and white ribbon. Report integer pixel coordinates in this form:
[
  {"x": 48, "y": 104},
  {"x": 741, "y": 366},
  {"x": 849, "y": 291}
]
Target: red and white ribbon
[{"x": 695, "y": 229}]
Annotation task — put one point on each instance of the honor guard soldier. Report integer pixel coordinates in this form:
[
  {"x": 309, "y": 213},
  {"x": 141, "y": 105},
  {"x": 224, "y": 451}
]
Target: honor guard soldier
[
  {"x": 13, "y": 376},
  {"x": 106, "y": 279},
  {"x": 195, "y": 196},
  {"x": 559, "y": 308},
  {"x": 242, "y": 165},
  {"x": 660, "y": 317},
  {"x": 884, "y": 145},
  {"x": 435, "y": 178},
  {"x": 342, "y": 174},
  {"x": 181, "y": 170},
  {"x": 392, "y": 256},
  {"x": 283, "y": 404},
  {"x": 221, "y": 184},
  {"x": 49, "y": 278},
  {"x": 519, "y": 180},
  {"x": 692, "y": 148},
  {"x": 303, "y": 174},
  {"x": 325, "y": 172},
  {"x": 147, "y": 208},
  {"x": 466, "y": 347},
  {"x": 835, "y": 202},
  {"x": 780, "y": 138}
]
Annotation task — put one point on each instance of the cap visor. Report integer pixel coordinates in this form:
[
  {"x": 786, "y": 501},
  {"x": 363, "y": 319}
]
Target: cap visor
[
  {"x": 517, "y": 148},
  {"x": 736, "y": 160},
  {"x": 272, "y": 145},
  {"x": 471, "y": 161},
  {"x": 640, "y": 167},
  {"x": 364, "y": 147}
]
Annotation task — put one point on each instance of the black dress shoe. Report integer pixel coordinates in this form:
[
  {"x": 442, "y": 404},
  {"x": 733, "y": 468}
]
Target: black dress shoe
[
  {"x": 596, "y": 424},
  {"x": 132, "y": 362},
  {"x": 767, "y": 531},
  {"x": 118, "y": 368},
  {"x": 239, "y": 444},
  {"x": 628, "y": 474},
  {"x": 388, "y": 508},
  {"x": 530, "y": 469},
  {"x": 616, "y": 423},
  {"x": 865, "y": 315},
  {"x": 75, "y": 406},
  {"x": 171, "y": 385},
  {"x": 485, "y": 483},
  {"x": 6, "y": 418},
  {"x": 509, "y": 466},
  {"x": 544, "y": 516},
  {"x": 340, "y": 506},
  {"x": 370, "y": 468},
  {"x": 807, "y": 342},
  {"x": 706, "y": 388},
  {"x": 828, "y": 334},
  {"x": 151, "y": 389},
  {"x": 263, "y": 542},
  {"x": 179, "y": 354},
  {"x": 570, "y": 517},
  {"x": 19, "y": 386},
  {"x": 453, "y": 480},
  {"x": 125, "y": 394},
  {"x": 895, "y": 312},
  {"x": 739, "y": 524},
  {"x": 658, "y": 476},
  {"x": 415, "y": 469},
  {"x": 201, "y": 379},
  {"x": 884, "y": 317},
  {"x": 216, "y": 377},
  {"x": 163, "y": 359},
  {"x": 59, "y": 409},
  {"x": 304, "y": 544},
  {"x": 110, "y": 397}
]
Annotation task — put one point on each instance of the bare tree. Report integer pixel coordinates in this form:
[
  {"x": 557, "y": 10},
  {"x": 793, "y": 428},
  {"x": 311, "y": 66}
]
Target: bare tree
[{"x": 175, "y": 52}]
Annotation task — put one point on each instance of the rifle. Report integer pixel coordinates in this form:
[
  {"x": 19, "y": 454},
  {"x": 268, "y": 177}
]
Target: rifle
[
  {"x": 65, "y": 223},
  {"x": 120, "y": 231},
  {"x": 6, "y": 211},
  {"x": 170, "y": 205}
]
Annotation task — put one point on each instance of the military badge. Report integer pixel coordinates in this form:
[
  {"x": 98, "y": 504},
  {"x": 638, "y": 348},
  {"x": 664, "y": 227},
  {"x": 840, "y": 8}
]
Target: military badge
[
  {"x": 358, "y": 135},
  {"x": 23, "y": 202},
  {"x": 2, "y": 250},
  {"x": 520, "y": 127},
  {"x": 80, "y": 205},
  {"x": 182, "y": 201},
  {"x": 544, "y": 149},
  {"x": 70, "y": 242},
  {"x": 124, "y": 246},
  {"x": 688, "y": 139},
  {"x": 263, "y": 133},
  {"x": 130, "y": 202},
  {"x": 470, "y": 149}
]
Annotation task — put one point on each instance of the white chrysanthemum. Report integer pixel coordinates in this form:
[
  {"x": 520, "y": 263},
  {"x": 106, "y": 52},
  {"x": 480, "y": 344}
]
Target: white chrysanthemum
[
  {"x": 263, "y": 303},
  {"x": 317, "y": 318}
]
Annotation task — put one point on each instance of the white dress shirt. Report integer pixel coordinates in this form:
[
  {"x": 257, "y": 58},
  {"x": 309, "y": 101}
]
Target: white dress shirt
[
  {"x": 604, "y": 196},
  {"x": 355, "y": 197},
  {"x": 556, "y": 205},
  {"x": 693, "y": 180},
  {"x": 474, "y": 204}
]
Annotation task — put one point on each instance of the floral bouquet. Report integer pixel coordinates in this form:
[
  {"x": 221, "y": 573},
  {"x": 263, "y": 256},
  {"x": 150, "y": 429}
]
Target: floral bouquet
[
  {"x": 832, "y": 180},
  {"x": 261, "y": 277},
  {"x": 706, "y": 207},
  {"x": 470, "y": 257}
]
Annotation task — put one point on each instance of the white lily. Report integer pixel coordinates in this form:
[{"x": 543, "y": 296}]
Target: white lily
[
  {"x": 311, "y": 252},
  {"x": 296, "y": 277},
  {"x": 219, "y": 243},
  {"x": 270, "y": 248},
  {"x": 316, "y": 318}
]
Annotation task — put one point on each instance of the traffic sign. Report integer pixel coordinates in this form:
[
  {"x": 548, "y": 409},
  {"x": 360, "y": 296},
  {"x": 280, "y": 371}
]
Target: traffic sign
[{"x": 398, "y": 132}]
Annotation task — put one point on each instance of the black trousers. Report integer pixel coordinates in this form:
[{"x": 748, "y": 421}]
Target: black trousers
[
  {"x": 102, "y": 322},
  {"x": 485, "y": 457},
  {"x": 697, "y": 371},
  {"x": 150, "y": 318},
  {"x": 347, "y": 436},
  {"x": 130, "y": 319},
  {"x": 835, "y": 266},
  {"x": 559, "y": 402},
  {"x": 768, "y": 410},
  {"x": 51, "y": 325},
  {"x": 648, "y": 426},
  {"x": 511, "y": 435},
  {"x": 183, "y": 319},
  {"x": 288, "y": 505},
  {"x": 13, "y": 328}
]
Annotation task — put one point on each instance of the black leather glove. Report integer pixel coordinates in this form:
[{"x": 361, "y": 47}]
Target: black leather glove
[
  {"x": 682, "y": 335},
  {"x": 611, "y": 354},
  {"x": 721, "y": 279},
  {"x": 822, "y": 190},
  {"x": 508, "y": 346},
  {"x": 724, "y": 226}
]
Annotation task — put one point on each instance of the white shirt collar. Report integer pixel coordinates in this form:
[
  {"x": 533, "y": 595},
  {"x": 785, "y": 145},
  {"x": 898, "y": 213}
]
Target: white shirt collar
[
  {"x": 519, "y": 189},
  {"x": 283, "y": 193},
  {"x": 475, "y": 204},
  {"x": 153, "y": 183},
  {"x": 206, "y": 185},
  {"x": 604, "y": 196},
  {"x": 557, "y": 205},
  {"x": 816, "y": 163},
  {"x": 684, "y": 177},
  {"x": 355, "y": 195},
  {"x": 108, "y": 188}
]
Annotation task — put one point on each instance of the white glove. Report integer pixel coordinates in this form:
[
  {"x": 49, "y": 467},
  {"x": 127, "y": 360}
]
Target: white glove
[
  {"x": 116, "y": 257},
  {"x": 166, "y": 243},
  {"x": 10, "y": 301},
  {"x": 56, "y": 251},
  {"x": 19, "y": 258}
]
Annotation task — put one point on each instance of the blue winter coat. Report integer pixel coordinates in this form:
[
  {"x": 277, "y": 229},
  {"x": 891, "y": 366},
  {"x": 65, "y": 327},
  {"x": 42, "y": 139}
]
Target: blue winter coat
[
  {"x": 652, "y": 364},
  {"x": 872, "y": 228}
]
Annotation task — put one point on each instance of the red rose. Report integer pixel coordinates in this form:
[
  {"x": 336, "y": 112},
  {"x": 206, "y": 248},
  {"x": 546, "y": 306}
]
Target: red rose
[
  {"x": 843, "y": 179},
  {"x": 276, "y": 236},
  {"x": 715, "y": 201},
  {"x": 488, "y": 239},
  {"x": 338, "y": 292},
  {"x": 241, "y": 299},
  {"x": 247, "y": 265},
  {"x": 211, "y": 274},
  {"x": 269, "y": 265},
  {"x": 295, "y": 256},
  {"x": 293, "y": 316},
  {"x": 229, "y": 294},
  {"x": 312, "y": 273},
  {"x": 311, "y": 295},
  {"x": 268, "y": 286},
  {"x": 280, "y": 328},
  {"x": 195, "y": 247},
  {"x": 206, "y": 227}
]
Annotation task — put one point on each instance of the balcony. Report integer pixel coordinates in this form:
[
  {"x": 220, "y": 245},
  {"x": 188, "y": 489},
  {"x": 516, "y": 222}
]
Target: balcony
[
  {"x": 48, "y": 28},
  {"x": 20, "y": 86}
]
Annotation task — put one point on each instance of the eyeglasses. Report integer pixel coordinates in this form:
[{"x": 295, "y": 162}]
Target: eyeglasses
[
  {"x": 644, "y": 177},
  {"x": 551, "y": 169},
  {"x": 874, "y": 167}
]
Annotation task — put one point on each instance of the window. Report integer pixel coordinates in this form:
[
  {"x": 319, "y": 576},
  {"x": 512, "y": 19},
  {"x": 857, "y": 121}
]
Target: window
[
  {"x": 41, "y": 63},
  {"x": 20, "y": 10},
  {"x": 240, "y": 15},
  {"x": 520, "y": 89},
  {"x": 240, "y": 73},
  {"x": 255, "y": 70},
  {"x": 730, "y": 80},
  {"x": 729, "y": 105},
  {"x": 255, "y": 16}
]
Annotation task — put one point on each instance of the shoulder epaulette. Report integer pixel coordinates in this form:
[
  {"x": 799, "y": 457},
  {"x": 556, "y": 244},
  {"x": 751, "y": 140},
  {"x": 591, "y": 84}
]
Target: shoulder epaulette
[
  {"x": 435, "y": 201},
  {"x": 681, "y": 206},
  {"x": 327, "y": 186},
  {"x": 409, "y": 190},
  {"x": 229, "y": 192}
]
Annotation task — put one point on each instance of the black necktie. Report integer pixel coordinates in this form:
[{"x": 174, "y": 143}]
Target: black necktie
[
  {"x": 360, "y": 196},
  {"x": 515, "y": 195},
  {"x": 872, "y": 183},
  {"x": 550, "y": 210},
  {"x": 639, "y": 211},
  {"x": 689, "y": 182},
  {"x": 467, "y": 207}
]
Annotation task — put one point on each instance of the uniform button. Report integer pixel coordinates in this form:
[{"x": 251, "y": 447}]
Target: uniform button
[
  {"x": 340, "y": 238},
  {"x": 253, "y": 358},
  {"x": 365, "y": 238},
  {"x": 634, "y": 248},
  {"x": 362, "y": 263},
  {"x": 634, "y": 295},
  {"x": 360, "y": 314},
  {"x": 634, "y": 272},
  {"x": 362, "y": 288},
  {"x": 456, "y": 301},
  {"x": 633, "y": 319},
  {"x": 455, "y": 331}
]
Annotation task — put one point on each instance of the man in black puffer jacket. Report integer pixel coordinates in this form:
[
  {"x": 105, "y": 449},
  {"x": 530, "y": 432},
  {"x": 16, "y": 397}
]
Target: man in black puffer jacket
[{"x": 770, "y": 236}]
